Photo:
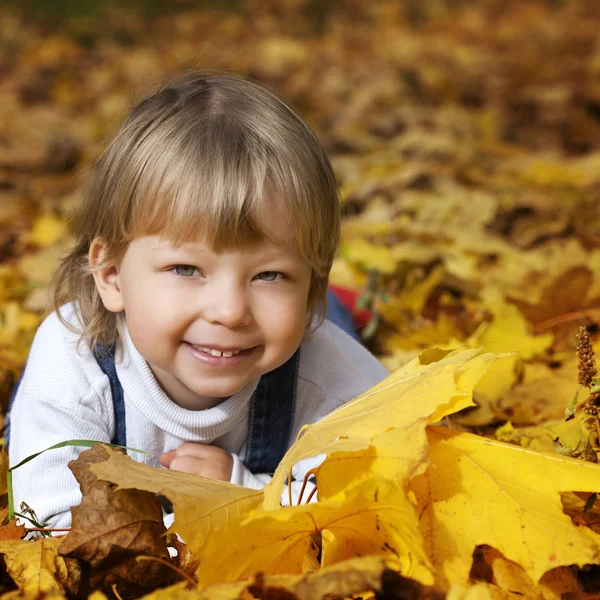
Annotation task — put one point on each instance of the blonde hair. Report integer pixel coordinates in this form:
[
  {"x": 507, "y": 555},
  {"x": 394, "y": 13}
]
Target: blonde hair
[{"x": 202, "y": 157}]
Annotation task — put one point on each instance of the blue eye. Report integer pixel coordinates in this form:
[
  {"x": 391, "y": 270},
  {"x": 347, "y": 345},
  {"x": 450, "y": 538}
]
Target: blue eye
[
  {"x": 184, "y": 270},
  {"x": 270, "y": 276}
]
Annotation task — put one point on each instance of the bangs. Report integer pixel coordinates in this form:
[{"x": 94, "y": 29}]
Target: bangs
[{"x": 222, "y": 200}]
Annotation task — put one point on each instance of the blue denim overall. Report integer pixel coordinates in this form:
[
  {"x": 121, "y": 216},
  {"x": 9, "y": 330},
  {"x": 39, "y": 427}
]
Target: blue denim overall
[
  {"x": 271, "y": 406},
  {"x": 271, "y": 411}
]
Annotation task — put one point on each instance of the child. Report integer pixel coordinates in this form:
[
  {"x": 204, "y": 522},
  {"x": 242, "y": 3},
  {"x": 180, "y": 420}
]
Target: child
[{"x": 187, "y": 316}]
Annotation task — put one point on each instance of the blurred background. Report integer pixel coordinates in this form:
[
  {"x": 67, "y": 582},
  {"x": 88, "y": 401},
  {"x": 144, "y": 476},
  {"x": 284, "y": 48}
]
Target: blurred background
[{"x": 465, "y": 135}]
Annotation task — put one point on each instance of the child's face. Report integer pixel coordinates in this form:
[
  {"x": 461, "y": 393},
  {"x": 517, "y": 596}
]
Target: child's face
[{"x": 184, "y": 305}]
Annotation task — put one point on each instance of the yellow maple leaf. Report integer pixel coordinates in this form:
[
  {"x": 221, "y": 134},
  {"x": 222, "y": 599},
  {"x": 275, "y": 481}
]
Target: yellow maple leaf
[
  {"x": 397, "y": 455},
  {"x": 36, "y": 566},
  {"x": 508, "y": 332},
  {"x": 421, "y": 391},
  {"x": 478, "y": 491},
  {"x": 371, "y": 516}
]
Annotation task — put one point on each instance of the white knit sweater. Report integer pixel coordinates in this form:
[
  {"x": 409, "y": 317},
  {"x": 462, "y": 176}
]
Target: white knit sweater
[{"x": 64, "y": 395}]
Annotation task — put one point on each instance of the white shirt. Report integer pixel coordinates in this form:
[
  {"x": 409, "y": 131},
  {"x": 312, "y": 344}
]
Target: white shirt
[{"x": 65, "y": 395}]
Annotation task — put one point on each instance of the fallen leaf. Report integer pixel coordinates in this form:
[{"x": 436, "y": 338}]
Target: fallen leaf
[
  {"x": 110, "y": 528},
  {"x": 372, "y": 516},
  {"x": 507, "y": 332},
  {"x": 416, "y": 393},
  {"x": 202, "y": 506},
  {"x": 575, "y": 504},
  {"x": 355, "y": 577},
  {"x": 566, "y": 294},
  {"x": 541, "y": 395},
  {"x": 12, "y": 531},
  {"x": 489, "y": 565},
  {"x": 38, "y": 568},
  {"x": 472, "y": 480}
]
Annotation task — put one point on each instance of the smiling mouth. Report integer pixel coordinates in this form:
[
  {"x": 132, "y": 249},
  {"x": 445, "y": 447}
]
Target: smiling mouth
[{"x": 218, "y": 353}]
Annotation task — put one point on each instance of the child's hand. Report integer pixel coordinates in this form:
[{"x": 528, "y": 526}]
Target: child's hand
[{"x": 199, "y": 459}]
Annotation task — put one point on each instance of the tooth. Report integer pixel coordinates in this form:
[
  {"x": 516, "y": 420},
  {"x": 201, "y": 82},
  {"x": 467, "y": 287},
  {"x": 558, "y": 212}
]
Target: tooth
[
  {"x": 215, "y": 352},
  {"x": 236, "y": 352},
  {"x": 227, "y": 354}
]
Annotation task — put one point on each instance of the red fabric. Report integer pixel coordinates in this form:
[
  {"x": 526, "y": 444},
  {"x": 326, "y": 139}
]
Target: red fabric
[{"x": 348, "y": 298}]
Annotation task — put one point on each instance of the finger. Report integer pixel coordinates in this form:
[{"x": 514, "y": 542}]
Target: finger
[
  {"x": 166, "y": 457},
  {"x": 187, "y": 464}
]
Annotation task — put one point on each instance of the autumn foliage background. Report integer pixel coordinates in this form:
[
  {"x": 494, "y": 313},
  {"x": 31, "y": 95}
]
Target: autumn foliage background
[{"x": 466, "y": 139}]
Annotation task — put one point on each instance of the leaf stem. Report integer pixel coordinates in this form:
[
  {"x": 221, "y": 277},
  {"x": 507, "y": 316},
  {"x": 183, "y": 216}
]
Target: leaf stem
[
  {"x": 310, "y": 496},
  {"x": 304, "y": 484},
  {"x": 47, "y": 530},
  {"x": 290, "y": 499},
  {"x": 593, "y": 313},
  {"x": 113, "y": 587},
  {"x": 187, "y": 577}
]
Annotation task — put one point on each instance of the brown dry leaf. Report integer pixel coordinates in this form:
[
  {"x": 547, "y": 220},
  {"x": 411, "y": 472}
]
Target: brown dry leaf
[
  {"x": 110, "y": 528},
  {"x": 202, "y": 506},
  {"x": 490, "y": 566},
  {"x": 37, "y": 566},
  {"x": 575, "y": 505},
  {"x": 566, "y": 294},
  {"x": 12, "y": 531},
  {"x": 185, "y": 560}
]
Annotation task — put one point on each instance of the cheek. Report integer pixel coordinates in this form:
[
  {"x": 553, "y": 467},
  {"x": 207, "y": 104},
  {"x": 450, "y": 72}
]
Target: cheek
[
  {"x": 149, "y": 313},
  {"x": 284, "y": 322}
]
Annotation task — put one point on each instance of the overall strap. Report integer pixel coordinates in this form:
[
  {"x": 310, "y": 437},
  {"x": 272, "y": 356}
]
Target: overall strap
[
  {"x": 105, "y": 355},
  {"x": 271, "y": 415}
]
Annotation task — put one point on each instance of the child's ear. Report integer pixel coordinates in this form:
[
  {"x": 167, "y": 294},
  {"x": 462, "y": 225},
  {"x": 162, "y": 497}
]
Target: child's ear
[{"x": 106, "y": 277}]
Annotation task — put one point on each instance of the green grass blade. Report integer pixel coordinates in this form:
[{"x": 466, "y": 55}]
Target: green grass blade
[
  {"x": 9, "y": 493},
  {"x": 84, "y": 443}
]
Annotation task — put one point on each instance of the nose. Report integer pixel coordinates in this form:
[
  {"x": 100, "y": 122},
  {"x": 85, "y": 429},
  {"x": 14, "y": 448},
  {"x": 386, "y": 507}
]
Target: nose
[{"x": 226, "y": 304}]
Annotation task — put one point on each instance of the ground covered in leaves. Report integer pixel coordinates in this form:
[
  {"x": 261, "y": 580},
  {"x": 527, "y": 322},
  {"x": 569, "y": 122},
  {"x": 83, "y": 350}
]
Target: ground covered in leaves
[{"x": 466, "y": 140}]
